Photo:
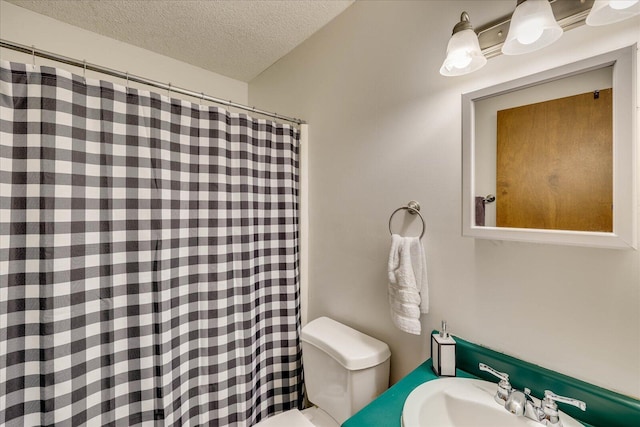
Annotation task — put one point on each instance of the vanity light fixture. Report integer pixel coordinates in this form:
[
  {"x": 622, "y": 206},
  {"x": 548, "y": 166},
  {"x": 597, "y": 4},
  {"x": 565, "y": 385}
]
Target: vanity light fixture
[
  {"x": 606, "y": 12},
  {"x": 532, "y": 27},
  {"x": 463, "y": 50},
  {"x": 551, "y": 18}
]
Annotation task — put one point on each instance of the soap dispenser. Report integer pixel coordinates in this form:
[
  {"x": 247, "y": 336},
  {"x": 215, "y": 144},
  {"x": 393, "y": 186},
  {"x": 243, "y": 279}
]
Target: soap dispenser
[{"x": 443, "y": 353}]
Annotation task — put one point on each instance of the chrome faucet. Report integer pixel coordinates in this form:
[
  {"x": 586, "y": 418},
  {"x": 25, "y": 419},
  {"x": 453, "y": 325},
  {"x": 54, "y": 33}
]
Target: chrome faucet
[{"x": 520, "y": 403}]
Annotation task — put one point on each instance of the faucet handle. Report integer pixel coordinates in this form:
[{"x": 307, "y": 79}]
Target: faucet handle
[
  {"x": 550, "y": 409},
  {"x": 550, "y": 397},
  {"x": 503, "y": 376},
  {"x": 504, "y": 387}
]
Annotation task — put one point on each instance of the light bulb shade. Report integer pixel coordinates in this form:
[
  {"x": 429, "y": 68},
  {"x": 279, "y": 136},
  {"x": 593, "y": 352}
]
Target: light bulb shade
[
  {"x": 463, "y": 54},
  {"x": 605, "y": 12},
  {"x": 532, "y": 27}
]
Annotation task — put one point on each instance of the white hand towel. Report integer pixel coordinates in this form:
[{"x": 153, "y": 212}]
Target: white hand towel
[
  {"x": 408, "y": 290},
  {"x": 419, "y": 264}
]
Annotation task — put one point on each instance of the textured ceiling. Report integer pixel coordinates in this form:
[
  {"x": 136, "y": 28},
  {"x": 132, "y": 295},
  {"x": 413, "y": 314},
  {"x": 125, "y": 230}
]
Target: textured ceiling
[{"x": 235, "y": 38}]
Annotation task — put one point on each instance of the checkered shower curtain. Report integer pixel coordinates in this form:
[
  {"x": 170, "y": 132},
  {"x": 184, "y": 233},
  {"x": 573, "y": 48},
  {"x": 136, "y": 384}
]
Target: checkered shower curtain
[{"x": 148, "y": 257}]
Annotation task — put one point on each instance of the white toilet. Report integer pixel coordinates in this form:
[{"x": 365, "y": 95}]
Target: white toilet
[{"x": 344, "y": 370}]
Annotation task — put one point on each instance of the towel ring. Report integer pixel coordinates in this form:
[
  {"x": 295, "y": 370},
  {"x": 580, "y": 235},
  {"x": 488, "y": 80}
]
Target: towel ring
[{"x": 414, "y": 208}]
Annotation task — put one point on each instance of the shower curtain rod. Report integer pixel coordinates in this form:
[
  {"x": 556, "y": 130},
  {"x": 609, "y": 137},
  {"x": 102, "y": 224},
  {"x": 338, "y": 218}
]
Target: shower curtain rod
[{"x": 133, "y": 78}]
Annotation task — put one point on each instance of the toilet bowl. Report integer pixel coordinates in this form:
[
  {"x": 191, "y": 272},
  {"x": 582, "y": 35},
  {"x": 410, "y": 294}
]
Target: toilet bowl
[{"x": 344, "y": 370}]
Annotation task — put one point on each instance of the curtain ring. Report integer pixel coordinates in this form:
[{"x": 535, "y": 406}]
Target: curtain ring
[
  {"x": 169, "y": 90},
  {"x": 84, "y": 68},
  {"x": 33, "y": 55},
  {"x": 127, "y": 76}
]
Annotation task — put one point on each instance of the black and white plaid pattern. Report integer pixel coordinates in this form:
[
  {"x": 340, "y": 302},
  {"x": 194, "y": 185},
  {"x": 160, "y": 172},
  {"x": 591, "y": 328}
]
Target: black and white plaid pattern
[{"x": 149, "y": 257}]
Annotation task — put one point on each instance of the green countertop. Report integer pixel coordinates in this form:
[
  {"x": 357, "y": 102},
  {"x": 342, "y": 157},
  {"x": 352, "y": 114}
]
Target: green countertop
[
  {"x": 386, "y": 410},
  {"x": 605, "y": 408}
]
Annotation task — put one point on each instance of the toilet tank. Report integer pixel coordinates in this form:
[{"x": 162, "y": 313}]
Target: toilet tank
[{"x": 344, "y": 369}]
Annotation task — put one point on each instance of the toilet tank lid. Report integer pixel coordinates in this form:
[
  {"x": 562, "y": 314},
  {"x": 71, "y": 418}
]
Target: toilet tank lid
[{"x": 352, "y": 349}]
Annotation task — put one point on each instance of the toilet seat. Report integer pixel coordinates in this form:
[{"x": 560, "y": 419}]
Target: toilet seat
[
  {"x": 319, "y": 418},
  {"x": 292, "y": 418},
  {"x": 310, "y": 417}
]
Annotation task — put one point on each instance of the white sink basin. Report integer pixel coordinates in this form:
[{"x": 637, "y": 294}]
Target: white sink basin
[{"x": 458, "y": 402}]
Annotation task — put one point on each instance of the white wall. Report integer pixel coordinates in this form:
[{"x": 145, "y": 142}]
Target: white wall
[
  {"x": 31, "y": 29},
  {"x": 385, "y": 128}
]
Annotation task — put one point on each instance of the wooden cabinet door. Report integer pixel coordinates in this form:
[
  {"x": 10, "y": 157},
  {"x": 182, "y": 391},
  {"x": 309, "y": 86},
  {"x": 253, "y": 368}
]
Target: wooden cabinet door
[{"x": 555, "y": 164}]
